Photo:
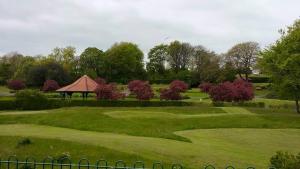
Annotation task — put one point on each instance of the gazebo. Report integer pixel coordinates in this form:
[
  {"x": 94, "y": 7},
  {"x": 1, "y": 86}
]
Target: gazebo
[{"x": 83, "y": 85}]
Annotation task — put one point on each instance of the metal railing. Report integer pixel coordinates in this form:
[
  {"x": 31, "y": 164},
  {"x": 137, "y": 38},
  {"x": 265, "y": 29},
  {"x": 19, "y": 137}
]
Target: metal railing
[{"x": 12, "y": 162}]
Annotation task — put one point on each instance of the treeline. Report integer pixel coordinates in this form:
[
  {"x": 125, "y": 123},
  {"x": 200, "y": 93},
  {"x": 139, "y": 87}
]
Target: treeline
[{"x": 124, "y": 62}]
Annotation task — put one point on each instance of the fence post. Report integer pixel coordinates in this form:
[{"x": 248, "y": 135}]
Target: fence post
[
  {"x": 51, "y": 160},
  {"x": 99, "y": 163},
  {"x": 137, "y": 163},
  {"x": 157, "y": 165},
  {"x": 27, "y": 161},
  {"x": 9, "y": 161},
  {"x": 120, "y": 164},
  {"x": 62, "y": 160},
  {"x": 87, "y": 162}
]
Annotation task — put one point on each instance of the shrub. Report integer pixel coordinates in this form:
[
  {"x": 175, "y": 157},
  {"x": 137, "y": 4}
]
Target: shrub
[
  {"x": 285, "y": 160},
  {"x": 100, "y": 80},
  {"x": 16, "y": 84},
  {"x": 243, "y": 90},
  {"x": 179, "y": 86},
  {"x": 133, "y": 84},
  {"x": 108, "y": 92},
  {"x": 141, "y": 89},
  {"x": 170, "y": 94},
  {"x": 24, "y": 142},
  {"x": 205, "y": 87},
  {"x": 237, "y": 91},
  {"x": 31, "y": 100},
  {"x": 50, "y": 85},
  {"x": 174, "y": 90},
  {"x": 222, "y": 92}
]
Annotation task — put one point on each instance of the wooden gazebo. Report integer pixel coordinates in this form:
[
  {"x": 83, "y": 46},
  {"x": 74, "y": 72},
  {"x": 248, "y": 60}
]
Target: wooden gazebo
[{"x": 84, "y": 85}]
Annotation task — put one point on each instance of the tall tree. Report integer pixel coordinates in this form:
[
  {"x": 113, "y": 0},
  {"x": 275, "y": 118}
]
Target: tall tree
[
  {"x": 282, "y": 61},
  {"x": 244, "y": 56},
  {"x": 204, "y": 65},
  {"x": 38, "y": 74},
  {"x": 124, "y": 62},
  {"x": 180, "y": 55},
  {"x": 64, "y": 56},
  {"x": 157, "y": 57},
  {"x": 91, "y": 62}
]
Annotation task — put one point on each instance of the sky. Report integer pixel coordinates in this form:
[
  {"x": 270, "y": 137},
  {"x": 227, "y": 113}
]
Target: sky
[{"x": 34, "y": 27}]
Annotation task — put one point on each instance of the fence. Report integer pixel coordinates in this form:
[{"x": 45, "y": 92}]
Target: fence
[{"x": 65, "y": 163}]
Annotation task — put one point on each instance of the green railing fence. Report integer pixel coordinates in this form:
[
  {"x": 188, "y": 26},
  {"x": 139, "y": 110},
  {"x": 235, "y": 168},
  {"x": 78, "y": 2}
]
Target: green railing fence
[{"x": 12, "y": 162}]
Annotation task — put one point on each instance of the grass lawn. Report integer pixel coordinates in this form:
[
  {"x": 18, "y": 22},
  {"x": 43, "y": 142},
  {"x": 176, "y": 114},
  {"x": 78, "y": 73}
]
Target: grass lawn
[
  {"x": 214, "y": 146},
  {"x": 4, "y": 91},
  {"x": 193, "y": 136}
]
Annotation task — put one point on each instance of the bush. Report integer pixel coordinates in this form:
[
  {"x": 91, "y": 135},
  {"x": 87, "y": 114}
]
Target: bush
[
  {"x": 237, "y": 91},
  {"x": 174, "y": 90},
  {"x": 285, "y": 160},
  {"x": 141, "y": 89},
  {"x": 100, "y": 80},
  {"x": 222, "y": 92},
  {"x": 205, "y": 87},
  {"x": 58, "y": 103},
  {"x": 16, "y": 85},
  {"x": 108, "y": 92},
  {"x": 24, "y": 142},
  {"x": 179, "y": 86},
  {"x": 50, "y": 85},
  {"x": 31, "y": 100},
  {"x": 170, "y": 94},
  {"x": 243, "y": 90}
]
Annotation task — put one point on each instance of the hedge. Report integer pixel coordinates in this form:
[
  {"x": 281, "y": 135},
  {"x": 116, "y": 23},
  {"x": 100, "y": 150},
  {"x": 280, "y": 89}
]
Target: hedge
[
  {"x": 56, "y": 103},
  {"x": 240, "y": 104},
  {"x": 259, "y": 79}
]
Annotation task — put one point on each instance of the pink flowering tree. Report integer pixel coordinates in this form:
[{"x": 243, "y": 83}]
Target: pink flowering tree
[
  {"x": 174, "y": 91},
  {"x": 108, "y": 92},
  {"x": 16, "y": 84},
  {"x": 50, "y": 85},
  {"x": 141, "y": 89}
]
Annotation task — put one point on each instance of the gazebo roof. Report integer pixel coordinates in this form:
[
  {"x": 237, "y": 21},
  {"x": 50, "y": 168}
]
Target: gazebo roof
[{"x": 83, "y": 84}]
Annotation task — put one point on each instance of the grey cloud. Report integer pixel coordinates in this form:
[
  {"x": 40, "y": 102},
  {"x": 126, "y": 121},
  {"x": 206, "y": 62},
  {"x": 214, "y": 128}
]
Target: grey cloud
[{"x": 37, "y": 26}]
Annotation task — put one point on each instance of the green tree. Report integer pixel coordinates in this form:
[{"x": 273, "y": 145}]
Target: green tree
[
  {"x": 227, "y": 72},
  {"x": 244, "y": 56},
  {"x": 64, "y": 56},
  {"x": 91, "y": 62},
  {"x": 157, "y": 57},
  {"x": 157, "y": 61},
  {"x": 180, "y": 55},
  {"x": 282, "y": 62},
  {"x": 39, "y": 73},
  {"x": 204, "y": 65},
  {"x": 124, "y": 62},
  {"x": 14, "y": 66}
]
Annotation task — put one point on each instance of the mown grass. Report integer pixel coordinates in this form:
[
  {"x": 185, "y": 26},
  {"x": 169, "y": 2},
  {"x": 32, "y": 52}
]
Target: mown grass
[
  {"x": 97, "y": 119},
  {"x": 240, "y": 147},
  {"x": 40, "y": 148}
]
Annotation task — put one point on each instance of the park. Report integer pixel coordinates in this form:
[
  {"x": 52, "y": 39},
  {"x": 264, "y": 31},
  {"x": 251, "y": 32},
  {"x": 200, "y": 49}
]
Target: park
[{"x": 176, "y": 106}]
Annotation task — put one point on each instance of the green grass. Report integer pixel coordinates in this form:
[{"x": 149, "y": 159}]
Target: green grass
[
  {"x": 4, "y": 91},
  {"x": 193, "y": 136},
  {"x": 162, "y": 123},
  {"x": 55, "y": 148},
  {"x": 217, "y": 146}
]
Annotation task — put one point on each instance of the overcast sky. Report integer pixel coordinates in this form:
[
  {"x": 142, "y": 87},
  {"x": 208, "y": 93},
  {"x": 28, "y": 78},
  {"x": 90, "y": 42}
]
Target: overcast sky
[{"x": 34, "y": 27}]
